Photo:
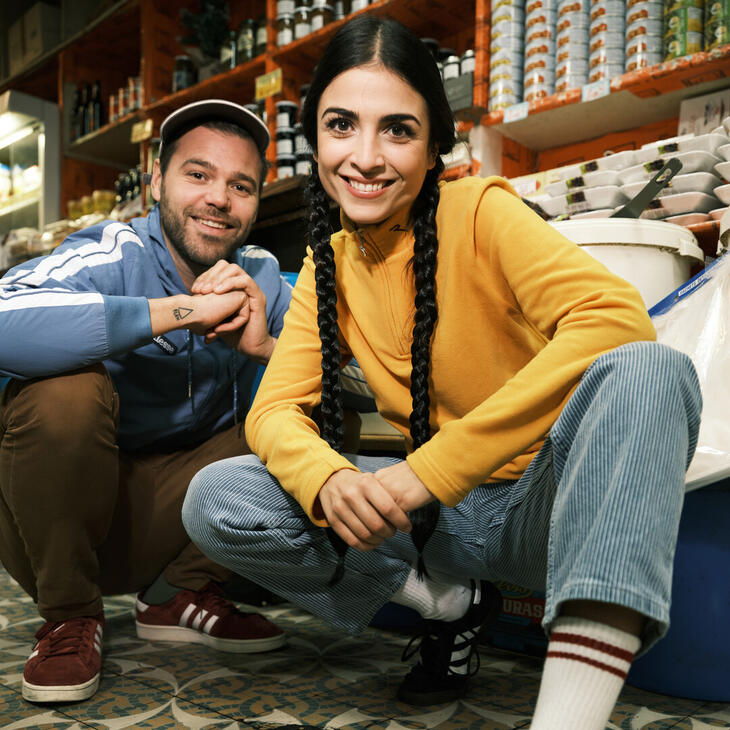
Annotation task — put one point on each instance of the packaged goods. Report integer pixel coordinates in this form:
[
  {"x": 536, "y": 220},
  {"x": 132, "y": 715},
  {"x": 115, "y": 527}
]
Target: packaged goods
[
  {"x": 683, "y": 44},
  {"x": 605, "y": 71},
  {"x": 642, "y": 59},
  {"x": 606, "y": 39},
  {"x": 643, "y": 10},
  {"x": 644, "y": 28},
  {"x": 613, "y": 8}
]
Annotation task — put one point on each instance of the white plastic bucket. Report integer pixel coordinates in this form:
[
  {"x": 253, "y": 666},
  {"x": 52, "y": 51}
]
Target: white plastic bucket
[{"x": 654, "y": 256}]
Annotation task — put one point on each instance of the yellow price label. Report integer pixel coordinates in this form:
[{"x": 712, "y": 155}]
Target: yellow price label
[
  {"x": 268, "y": 84},
  {"x": 141, "y": 131}
]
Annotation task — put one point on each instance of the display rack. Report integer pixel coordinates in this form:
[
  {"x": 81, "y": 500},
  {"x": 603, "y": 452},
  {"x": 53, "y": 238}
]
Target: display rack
[{"x": 141, "y": 37}]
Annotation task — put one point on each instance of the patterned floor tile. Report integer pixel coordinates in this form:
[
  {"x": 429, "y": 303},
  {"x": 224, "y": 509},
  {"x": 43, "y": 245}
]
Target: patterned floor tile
[{"x": 321, "y": 678}]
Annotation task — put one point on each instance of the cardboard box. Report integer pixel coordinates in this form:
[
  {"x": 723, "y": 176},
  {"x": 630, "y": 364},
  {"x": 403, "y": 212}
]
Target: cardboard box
[
  {"x": 701, "y": 114},
  {"x": 16, "y": 47},
  {"x": 41, "y": 30}
]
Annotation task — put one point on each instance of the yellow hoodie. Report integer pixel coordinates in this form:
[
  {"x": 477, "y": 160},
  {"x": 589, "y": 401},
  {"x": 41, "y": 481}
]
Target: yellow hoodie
[{"x": 522, "y": 312}]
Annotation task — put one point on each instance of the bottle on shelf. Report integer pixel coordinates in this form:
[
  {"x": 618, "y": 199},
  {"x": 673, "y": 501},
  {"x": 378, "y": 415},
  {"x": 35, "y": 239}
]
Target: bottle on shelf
[
  {"x": 84, "y": 110},
  {"x": 96, "y": 107},
  {"x": 246, "y": 42},
  {"x": 75, "y": 122},
  {"x": 229, "y": 51}
]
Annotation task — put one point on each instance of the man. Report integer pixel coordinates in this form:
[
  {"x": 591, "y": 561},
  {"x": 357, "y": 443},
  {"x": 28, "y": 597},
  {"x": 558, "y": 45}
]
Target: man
[{"x": 132, "y": 350}]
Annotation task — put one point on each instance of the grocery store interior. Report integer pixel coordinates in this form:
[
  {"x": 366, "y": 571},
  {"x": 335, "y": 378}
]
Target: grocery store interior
[{"x": 580, "y": 105}]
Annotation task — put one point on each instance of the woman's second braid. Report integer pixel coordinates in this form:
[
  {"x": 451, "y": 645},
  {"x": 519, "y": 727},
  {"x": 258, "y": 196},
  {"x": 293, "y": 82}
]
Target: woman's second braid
[{"x": 425, "y": 251}]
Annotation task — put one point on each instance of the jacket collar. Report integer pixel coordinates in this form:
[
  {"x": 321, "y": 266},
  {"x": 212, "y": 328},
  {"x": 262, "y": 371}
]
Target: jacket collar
[{"x": 392, "y": 235}]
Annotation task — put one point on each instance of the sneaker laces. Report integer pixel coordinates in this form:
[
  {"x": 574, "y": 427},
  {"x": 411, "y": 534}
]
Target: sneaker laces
[
  {"x": 212, "y": 598},
  {"x": 63, "y": 641},
  {"x": 433, "y": 656}
]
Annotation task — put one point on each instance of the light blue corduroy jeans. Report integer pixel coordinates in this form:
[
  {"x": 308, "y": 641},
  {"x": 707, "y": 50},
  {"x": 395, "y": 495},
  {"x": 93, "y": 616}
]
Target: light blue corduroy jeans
[{"x": 595, "y": 516}]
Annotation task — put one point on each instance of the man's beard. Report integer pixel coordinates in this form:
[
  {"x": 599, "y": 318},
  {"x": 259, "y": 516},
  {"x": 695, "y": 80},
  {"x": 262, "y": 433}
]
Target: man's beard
[{"x": 197, "y": 257}]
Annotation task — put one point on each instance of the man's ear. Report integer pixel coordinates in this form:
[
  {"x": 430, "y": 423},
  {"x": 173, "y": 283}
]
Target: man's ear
[{"x": 156, "y": 181}]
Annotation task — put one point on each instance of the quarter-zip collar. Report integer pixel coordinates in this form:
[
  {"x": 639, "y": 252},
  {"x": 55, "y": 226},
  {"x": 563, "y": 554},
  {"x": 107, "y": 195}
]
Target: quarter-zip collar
[{"x": 389, "y": 237}]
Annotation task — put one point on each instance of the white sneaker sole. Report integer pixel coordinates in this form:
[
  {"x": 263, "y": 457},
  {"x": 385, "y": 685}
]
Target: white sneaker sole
[
  {"x": 192, "y": 636},
  {"x": 60, "y": 693}
]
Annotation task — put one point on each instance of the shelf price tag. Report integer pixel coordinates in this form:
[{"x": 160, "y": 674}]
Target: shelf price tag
[
  {"x": 141, "y": 131},
  {"x": 268, "y": 84},
  {"x": 516, "y": 112},
  {"x": 596, "y": 90}
]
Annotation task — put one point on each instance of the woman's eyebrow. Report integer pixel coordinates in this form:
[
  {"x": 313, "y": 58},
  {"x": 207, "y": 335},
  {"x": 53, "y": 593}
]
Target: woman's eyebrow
[
  {"x": 340, "y": 112},
  {"x": 388, "y": 118}
]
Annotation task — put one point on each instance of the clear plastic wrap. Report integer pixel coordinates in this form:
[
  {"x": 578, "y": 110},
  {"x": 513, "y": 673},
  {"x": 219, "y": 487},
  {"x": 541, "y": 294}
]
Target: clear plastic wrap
[{"x": 694, "y": 320}]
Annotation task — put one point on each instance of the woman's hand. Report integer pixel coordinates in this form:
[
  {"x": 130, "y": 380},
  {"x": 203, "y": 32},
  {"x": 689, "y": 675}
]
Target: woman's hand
[
  {"x": 401, "y": 482},
  {"x": 360, "y": 510}
]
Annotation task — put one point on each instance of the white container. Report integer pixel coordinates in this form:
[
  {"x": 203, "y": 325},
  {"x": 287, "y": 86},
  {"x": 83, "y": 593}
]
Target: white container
[
  {"x": 695, "y": 161},
  {"x": 579, "y": 182},
  {"x": 704, "y": 142},
  {"x": 656, "y": 257},
  {"x": 723, "y": 192},
  {"x": 718, "y": 213},
  {"x": 723, "y": 169},
  {"x": 724, "y": 151},
  {"x": 680, "y": 204},
  {"x": 693, "y": 182},
  {"x": 606, "y": 196}
]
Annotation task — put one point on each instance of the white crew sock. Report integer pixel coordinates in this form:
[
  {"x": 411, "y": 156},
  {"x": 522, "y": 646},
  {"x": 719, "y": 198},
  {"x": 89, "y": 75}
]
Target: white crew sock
[
  {"x": 433, "y": 598},
  {"x": 585, "y": 669}
]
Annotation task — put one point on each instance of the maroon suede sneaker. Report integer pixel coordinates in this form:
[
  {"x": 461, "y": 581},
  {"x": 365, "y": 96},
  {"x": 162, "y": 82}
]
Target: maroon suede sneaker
[
  {"x": 207, "y": 617},
  {"x": 66, "y": 662}
]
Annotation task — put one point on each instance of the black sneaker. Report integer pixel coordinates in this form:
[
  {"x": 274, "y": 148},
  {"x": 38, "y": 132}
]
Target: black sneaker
[{"x": 446, "y": 651}]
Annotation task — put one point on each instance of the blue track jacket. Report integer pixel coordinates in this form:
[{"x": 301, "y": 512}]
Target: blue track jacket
[{"x": 87, "y": 302}]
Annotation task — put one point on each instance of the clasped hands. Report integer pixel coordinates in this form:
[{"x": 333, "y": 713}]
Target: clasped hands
[
  {"x": 238, "y": 310},
  {"x": 365, "y": 509}
]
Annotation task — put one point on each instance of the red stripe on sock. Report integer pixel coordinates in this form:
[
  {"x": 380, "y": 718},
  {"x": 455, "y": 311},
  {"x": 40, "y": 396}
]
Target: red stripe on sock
[
  {"x": 609, "y": 649},
  {"x": 586, "y": 660}
]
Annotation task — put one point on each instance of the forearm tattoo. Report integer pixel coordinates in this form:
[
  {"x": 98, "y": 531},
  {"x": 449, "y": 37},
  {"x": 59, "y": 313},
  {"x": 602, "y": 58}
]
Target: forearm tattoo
[{"x": 181, "y": 312}]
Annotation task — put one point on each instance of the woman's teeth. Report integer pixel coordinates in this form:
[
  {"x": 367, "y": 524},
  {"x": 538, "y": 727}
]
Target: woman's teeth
[{"x": 366, "y": 187}]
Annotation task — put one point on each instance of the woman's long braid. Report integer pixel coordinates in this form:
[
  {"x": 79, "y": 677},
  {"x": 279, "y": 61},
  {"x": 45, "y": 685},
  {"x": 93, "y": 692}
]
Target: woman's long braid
[
  {"x": 333, "y": 422},
  {"x": 425, "y": 251}
]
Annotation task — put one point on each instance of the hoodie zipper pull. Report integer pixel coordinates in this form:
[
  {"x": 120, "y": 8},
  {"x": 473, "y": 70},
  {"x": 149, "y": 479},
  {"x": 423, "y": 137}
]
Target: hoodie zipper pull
[{"x": 362, "y": 244}]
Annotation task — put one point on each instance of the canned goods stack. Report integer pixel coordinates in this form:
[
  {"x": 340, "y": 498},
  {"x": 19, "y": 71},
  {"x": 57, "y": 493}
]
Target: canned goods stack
[
  {"x": 506, "y": 53},
  {"x": 539, "y": 76},
  {"x": 717, "y": 23},
  {"x": 606, "y": 39},
  {"x": 684, "y": 25},
  {"x": 571, "y": 52},
  {"x": 643, "y": 33}
]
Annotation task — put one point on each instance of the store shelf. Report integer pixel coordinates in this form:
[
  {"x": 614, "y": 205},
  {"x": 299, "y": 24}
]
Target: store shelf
[
  {"x": 636, "y": 98},
  {"x": 237, "y": 84},
  {"x": 111, "y": 145},
  {"x": 17, "y": 202},
  {"x": 444, "y": 18}
]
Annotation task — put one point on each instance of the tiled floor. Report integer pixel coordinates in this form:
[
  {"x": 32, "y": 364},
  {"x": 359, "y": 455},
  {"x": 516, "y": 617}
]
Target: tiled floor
[{"x": 321, "y": 679}]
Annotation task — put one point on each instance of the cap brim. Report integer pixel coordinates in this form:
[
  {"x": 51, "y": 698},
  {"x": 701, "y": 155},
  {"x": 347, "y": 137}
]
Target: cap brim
[{"x": 216, "y": 109}]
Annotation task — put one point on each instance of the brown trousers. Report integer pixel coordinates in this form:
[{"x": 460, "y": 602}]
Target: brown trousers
[{"x": 78, "y": 517}]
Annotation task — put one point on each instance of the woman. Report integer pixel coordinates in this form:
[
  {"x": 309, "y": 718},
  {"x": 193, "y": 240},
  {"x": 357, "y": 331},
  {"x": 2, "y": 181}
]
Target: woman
[{"x": 550, "y": 430}]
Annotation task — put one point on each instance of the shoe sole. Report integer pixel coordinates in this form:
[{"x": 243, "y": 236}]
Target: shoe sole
[
  {"x": 60, "y": 693},
  {"x": 191, "y": 636}
]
